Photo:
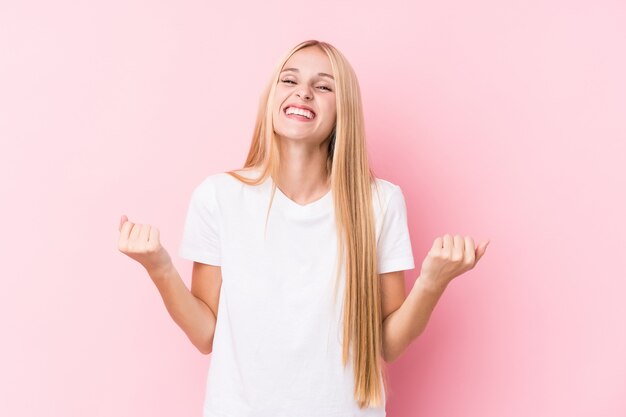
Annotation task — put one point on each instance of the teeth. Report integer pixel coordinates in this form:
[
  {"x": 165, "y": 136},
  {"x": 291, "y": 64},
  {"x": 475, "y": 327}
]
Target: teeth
[{"x": 301, "y": 112}]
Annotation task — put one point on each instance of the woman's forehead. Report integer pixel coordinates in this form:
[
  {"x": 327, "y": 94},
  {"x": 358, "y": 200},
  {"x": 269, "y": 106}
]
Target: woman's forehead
[{"x": 309, "y": 58}]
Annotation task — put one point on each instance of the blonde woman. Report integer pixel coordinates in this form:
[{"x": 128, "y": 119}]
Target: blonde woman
[{"x": 299, "y": 258}]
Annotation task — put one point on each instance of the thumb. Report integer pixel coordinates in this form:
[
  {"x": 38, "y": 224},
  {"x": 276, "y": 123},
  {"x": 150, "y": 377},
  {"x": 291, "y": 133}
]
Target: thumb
[
  {"x": 123, "y": 220},
  {"x": 480, "y": 251}
]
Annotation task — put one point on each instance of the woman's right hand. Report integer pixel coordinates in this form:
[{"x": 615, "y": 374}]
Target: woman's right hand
[{"x": 141, "y": 243}]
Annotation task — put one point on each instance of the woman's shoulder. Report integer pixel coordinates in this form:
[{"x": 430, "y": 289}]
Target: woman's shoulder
[
  {"x": 210, "y": 181},
  {"x": 384, "y": 189},
  {"x": 388, "y": 198},
  {"x": 225, "y": 183},
  {"x": 386, "y": 185}
]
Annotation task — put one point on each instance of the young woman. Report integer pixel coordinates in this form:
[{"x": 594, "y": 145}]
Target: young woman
[{"x": 299, "y": 258}]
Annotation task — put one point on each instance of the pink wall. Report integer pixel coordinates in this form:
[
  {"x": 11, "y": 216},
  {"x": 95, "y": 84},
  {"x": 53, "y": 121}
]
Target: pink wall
[{"x": 501, "y": 120}]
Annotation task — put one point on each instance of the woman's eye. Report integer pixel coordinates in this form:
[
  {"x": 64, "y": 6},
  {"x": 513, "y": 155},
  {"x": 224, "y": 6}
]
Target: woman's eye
[{"x": 323, "y": 87}]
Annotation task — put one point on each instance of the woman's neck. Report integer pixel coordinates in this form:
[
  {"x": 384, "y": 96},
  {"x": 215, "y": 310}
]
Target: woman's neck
[{"x": 303, "y": 176}]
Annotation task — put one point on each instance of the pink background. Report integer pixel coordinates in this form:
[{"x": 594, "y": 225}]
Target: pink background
[{"x": 501, "y": 120}]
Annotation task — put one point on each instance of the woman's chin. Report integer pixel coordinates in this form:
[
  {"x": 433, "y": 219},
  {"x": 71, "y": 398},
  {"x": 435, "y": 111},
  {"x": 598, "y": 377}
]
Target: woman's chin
[{"x": 295, "y": 135}]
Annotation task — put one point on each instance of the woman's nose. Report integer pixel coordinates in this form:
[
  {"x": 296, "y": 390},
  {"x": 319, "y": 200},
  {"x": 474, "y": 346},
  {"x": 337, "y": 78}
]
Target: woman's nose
[{"x": 304, "y": 93}]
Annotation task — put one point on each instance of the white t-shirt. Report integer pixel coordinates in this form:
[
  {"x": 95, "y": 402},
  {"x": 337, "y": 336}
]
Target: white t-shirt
[{"x": 278, "y": 339}]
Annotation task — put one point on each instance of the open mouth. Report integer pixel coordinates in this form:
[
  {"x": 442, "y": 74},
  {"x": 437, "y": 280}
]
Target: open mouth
[{"x": 298, "y": 113}]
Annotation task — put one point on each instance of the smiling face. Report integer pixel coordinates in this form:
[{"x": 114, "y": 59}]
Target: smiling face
[{"x": 304, "y": 101}]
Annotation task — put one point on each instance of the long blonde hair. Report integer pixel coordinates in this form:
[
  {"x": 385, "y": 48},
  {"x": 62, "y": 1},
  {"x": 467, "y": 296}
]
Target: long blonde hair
[{"x": 351, "y": 184}]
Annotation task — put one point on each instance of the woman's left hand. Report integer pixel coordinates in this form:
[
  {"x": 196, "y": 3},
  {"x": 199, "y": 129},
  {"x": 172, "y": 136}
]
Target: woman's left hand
[{"x": 450, "y": 257}]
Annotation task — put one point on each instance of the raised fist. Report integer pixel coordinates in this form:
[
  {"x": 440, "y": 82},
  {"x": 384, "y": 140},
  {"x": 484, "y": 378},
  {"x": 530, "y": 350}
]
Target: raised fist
[
  {"x": 450, "y": 257},
  {"x": 141, "y": 243}
]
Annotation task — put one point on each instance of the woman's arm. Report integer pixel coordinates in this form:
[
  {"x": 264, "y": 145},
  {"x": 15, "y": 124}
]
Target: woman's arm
[
  {"x": 191, "y": 313},
  {"x": 449, "y": 257},
  {"x": 405, "y": 324},
  {"x": 189, "y": 309}
]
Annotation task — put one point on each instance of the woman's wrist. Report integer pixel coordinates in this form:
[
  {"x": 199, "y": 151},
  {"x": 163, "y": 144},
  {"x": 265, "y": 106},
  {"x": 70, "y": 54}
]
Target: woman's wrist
[
  {"x": 160, "y": 271},
  {"x": 433, "y": 284}
]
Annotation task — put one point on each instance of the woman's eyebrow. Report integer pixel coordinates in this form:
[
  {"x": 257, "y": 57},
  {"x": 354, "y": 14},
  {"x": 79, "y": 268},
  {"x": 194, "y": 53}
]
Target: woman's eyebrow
[{"x": 321, "y": 74}]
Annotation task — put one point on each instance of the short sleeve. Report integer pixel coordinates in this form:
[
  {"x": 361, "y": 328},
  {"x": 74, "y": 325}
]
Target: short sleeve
[
  {"x": 201, "y": 241},
  {"x": 394, "y": 243}
]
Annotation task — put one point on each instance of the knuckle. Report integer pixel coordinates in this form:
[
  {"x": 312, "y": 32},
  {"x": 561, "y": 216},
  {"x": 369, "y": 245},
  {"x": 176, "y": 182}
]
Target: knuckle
[{"x": 134, "y": 247}]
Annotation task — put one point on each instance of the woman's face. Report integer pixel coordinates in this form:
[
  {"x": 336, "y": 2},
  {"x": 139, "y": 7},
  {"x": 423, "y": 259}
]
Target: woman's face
[{"x": 304, "y": 102}]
